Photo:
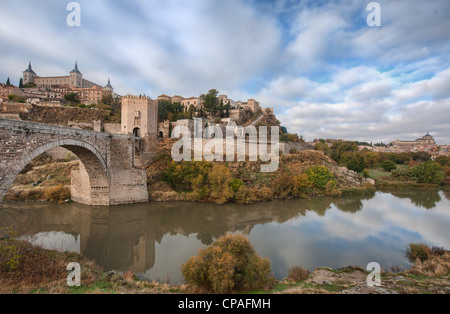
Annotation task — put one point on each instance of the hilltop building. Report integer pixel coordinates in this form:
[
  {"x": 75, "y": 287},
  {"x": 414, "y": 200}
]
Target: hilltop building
[
  {"x": 423, "y": 141},
  {"x": 424, "y": 144},
  {"x": 73, "y": 80},
  {"x": 58, "y": 86}
]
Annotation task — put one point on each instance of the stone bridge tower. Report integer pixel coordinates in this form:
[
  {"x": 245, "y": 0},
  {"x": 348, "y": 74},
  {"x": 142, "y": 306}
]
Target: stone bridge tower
[{"x": 139, "y": 116}]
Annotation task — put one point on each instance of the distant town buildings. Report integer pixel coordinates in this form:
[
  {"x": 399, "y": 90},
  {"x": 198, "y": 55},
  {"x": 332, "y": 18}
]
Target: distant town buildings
[
  {"x": 196, "y": 102},
  {"x": 6, "y": 90},
  {"x": 424, "y": 144}
]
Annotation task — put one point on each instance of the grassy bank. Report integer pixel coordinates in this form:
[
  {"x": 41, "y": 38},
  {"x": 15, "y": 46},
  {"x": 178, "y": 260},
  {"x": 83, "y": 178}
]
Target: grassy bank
[
  {"x": 426, "y": 176},
  {"x": 25, "y": 269}
]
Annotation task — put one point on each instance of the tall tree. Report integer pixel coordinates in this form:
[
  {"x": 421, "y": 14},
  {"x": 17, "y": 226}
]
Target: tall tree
[
  {"x": 211, "y": 101},
  {"x": 8, "y": 82},
  {"x": 21, "y": 83},
  {"x": 341, "y": 147}
]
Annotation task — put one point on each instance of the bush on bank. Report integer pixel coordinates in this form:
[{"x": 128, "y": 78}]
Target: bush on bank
[
  {"x": 230, "y": 264},
  {"x": 428, "y": 172}
]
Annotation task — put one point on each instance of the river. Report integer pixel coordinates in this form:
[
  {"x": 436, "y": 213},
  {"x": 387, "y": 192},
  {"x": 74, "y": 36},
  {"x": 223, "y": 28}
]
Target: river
[{"x": 155, "y": 239}]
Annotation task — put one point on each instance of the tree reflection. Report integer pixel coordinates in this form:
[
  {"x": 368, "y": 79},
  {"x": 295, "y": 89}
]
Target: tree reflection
[
  {"x": 447, "y": 194},
  {"x": 427, "y": 199}
]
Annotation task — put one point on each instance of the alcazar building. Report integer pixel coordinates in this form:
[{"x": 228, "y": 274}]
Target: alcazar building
[{"x": 424, "y": 140}]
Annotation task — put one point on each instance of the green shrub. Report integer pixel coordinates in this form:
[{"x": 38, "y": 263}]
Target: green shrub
[
  {"x": 400, "y": 158},
  {"x": 322, "y": 146},
  {"x": 406, "y": 174},
  {"x": 229, "y": 264},
  {"x": 341, "y": 147},
  {"x": 429, "y": 172},
  {"x": 320, "y": 176},
  {"x": 443, "y": 160},
  {"x": 236, "y": 184},
  {"x": 180, "y": 175},
  {"x": 371, "y": 159},
  {"x": 57, "y": 194},
  {"x": 446, "y": 170},
  {"x": 421, "y": 156},
  {"x": 289, "y": 138},
  {"x": 365, "y": 173},
  {"x": 388, "y": 165},
  {"x": 353, "y": 161}
]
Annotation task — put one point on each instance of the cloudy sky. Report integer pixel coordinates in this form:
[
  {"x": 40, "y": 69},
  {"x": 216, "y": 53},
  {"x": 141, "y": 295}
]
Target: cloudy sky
[{"x": 318, "y": 63}]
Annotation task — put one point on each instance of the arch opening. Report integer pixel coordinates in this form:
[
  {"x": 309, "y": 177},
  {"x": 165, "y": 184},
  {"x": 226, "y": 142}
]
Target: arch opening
[
  {"x": 137, "y": 132},
  {"x": 89, "y": 183}
]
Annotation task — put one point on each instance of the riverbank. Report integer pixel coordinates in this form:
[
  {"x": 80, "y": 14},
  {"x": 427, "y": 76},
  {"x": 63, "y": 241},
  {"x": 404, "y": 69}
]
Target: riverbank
[
  {"x": 304, "y": 174},
  {"x": 301, "y": 175},
  {"x": 39, "y": 271}
]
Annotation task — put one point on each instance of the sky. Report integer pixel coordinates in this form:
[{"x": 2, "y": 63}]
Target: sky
[{"x": 323, "y": 69}]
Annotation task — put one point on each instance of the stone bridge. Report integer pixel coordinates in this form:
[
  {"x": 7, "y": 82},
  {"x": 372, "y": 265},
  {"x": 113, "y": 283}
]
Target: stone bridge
[{"x": 106, "y": 175}]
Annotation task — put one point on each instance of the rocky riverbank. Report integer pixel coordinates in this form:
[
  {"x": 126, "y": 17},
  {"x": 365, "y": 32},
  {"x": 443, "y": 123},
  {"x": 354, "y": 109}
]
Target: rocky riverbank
[{"x": 304, "y": 174}]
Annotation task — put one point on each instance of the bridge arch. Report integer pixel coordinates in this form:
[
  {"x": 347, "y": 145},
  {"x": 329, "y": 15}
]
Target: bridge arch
[{"x": 90, "y": 184}]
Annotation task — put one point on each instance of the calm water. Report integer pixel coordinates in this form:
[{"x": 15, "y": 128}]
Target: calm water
[{"x": 155, "y": 239}]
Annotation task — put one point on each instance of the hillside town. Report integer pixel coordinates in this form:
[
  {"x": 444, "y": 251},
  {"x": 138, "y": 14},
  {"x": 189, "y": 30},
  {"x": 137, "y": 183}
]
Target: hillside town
[{"x": 141, "y": 115}]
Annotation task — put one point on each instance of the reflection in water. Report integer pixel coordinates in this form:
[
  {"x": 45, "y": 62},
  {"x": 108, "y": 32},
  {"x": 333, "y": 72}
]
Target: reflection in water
[
  {"x": 421, "y": 198},
  {"x": 154, "y": 239},
  {"x": 447, "y": 194}
]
